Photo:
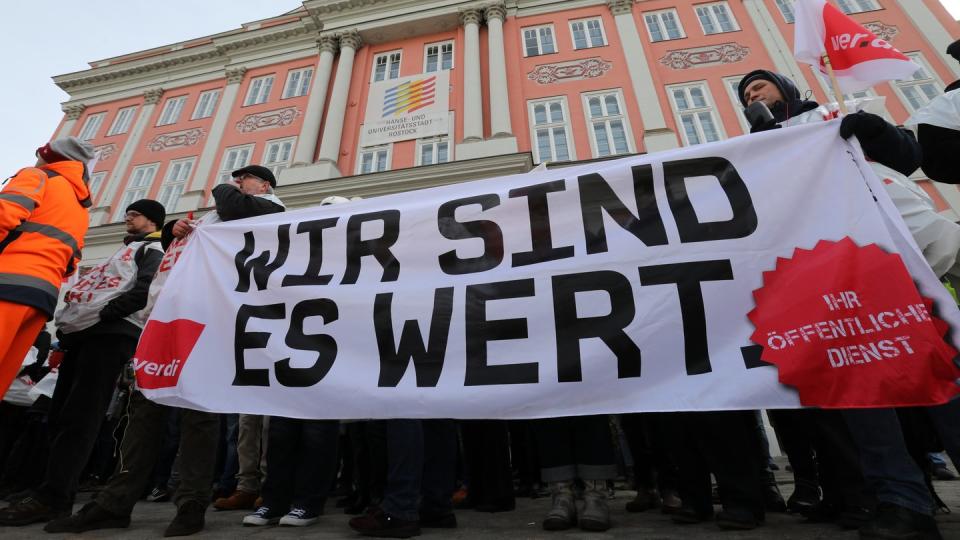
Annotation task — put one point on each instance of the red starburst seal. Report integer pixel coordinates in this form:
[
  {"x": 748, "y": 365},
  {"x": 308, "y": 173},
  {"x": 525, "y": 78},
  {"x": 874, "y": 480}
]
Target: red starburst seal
[{"x": 846, "y": 326}]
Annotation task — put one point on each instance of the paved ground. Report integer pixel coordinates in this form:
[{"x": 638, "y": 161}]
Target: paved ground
[{"x": 150, "y": 519}]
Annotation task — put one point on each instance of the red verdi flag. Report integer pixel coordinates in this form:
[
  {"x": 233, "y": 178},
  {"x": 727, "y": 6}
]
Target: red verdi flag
[{"x": 859, "y": 58}]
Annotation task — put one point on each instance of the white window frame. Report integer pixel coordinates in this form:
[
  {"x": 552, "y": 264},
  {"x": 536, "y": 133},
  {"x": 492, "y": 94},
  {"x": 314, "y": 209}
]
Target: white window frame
[
  {"x": 95, "y": 184},
  {"x": 259, "y": 90},
  {"x": 301, "y": 87},
  {"x": 206, "y": 104},
  {"x": 172, "y": 107},
  {"x": 228, "y": 165},
  {"x": 439, "y": 45},
  {"x": 622, "y": 116},
  {"x": 785, "y": 7},
  {"x": 147, "y": 174},
  {"x": 713, "y": 17},
  {"x": 566, "y": 124},
  {"x": 91, "y": 126},
  {"x": 435, "y": 142},
  {"x": 932, "y": 78},
  {"x": 537, "y": 29},
  {"x": 661, "y": 26},
  {"x": 277, "y": 165},
  {"x": 172, "y": 187},
  {"x": 711, "y": 108},
  {"x": 732, "y": 85},
  {"x": 122, "y": 122},
  {"x": 374, "y": 150},
  {"x": 858, "y": 6},
  {"x": 586, "y": 31},
  {"x": 388, "y": 63}
]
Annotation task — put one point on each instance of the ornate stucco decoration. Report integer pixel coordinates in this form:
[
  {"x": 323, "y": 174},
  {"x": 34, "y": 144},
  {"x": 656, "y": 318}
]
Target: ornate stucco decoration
[
  {"x": 723, "y": 53},
  {"x": 574, "y": 70},
  {"x": 176, "y": 139},
  {"x": 74, "y": 110},
  {"x": 883, "y": 31},
  {"x": 268, "y": 120},
  {"x": 105, "y": 151}
]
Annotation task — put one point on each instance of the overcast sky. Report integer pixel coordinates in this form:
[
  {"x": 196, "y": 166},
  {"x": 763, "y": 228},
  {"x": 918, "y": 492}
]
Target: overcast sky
[{"x": 43, "y": 38}]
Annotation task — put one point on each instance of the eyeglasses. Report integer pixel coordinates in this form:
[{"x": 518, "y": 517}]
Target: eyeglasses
[{"x": 132, "y": 214}]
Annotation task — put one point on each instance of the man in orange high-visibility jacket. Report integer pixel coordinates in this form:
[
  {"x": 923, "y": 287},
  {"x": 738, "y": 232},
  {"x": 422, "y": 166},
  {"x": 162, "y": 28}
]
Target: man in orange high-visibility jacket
[{"x": 43, "y": 218}]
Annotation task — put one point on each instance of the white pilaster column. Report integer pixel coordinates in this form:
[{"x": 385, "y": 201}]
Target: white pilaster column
[
  {"x": 333, "y": 129},
  {"x": 499, "y": 101},
  {"x": 472, "y": 100},
  {"x": 101, "y": 214},
  {"x": 928, "y": 26},
  {"x": 776, "y": 45},
  {"x": 656, "y": 134},
  {"x": 193, "y": 198},
  {"x": 310, "y": 130},
  {"x": 72, "y": 112}
]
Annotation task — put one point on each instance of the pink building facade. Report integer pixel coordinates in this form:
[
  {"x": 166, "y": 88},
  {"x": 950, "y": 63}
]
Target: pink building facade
[{"x": 530, "y": 81}]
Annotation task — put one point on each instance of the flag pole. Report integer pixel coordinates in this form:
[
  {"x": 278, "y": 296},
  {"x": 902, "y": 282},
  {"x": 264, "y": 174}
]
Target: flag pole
[{"x": 836, "y": 84}]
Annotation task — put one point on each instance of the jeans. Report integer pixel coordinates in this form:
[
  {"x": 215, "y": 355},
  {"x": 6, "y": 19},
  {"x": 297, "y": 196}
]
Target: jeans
[
  {"x": 421, "y": 465},
  {"x": 231, "y": 461},
  {"x": 946, "y": 418},
  {"x": 302, "y": 463},
  {"x": 887, "y": 466}
]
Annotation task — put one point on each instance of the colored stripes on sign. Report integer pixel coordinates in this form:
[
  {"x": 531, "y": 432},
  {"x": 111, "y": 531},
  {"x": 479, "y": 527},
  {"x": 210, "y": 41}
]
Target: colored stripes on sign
[{"x": 409, "y": 96}]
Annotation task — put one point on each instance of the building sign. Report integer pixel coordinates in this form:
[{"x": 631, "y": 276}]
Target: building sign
[{"x": 406, "y": 108}]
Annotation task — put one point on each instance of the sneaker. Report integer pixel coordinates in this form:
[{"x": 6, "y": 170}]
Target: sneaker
[
  {"x": 238, "y": 500},
  {"x": 895, "y": 522},
  {"x": 189, "y": 519},
  {"x": 90, "y": 518},
  {"x": 563, "y": 509},
  {"x": 299, "y": 517},
  {"x": 595, "y": 516},
  {"x": 380, "y": 524},
  {"x": 158, "y": 494},
  {"x": 262, "y": 516},
  {"x": 29, "y": 510}
]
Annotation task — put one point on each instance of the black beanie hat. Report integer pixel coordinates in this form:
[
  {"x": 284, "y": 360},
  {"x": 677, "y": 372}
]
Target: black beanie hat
[
  {"x": 954, "y": 50},
  {"x": 151, "y": 209}
]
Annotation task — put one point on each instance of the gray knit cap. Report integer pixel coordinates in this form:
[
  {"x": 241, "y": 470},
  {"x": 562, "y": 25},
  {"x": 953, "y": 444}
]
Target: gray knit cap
[{"x": 73, "y": 148}]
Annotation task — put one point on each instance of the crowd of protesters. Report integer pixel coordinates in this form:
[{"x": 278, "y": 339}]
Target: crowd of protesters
[{"x": 68, "y": 405}]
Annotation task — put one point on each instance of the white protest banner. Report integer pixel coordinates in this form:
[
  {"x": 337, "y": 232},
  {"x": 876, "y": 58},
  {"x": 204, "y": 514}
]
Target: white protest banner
[
  {"x": 406, "y": 108},
  {"x": 662, "y": 282}
]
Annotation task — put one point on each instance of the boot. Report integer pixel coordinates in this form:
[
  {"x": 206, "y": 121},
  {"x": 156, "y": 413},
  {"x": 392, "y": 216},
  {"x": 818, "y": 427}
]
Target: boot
[
  {"x": 189, "y": 520},
  {"x": 563, "y": 512},
  {"x": 595, "y": 516}
]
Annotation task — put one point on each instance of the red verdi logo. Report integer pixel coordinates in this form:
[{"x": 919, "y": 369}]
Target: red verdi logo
[{"x": 163, "y": 350}]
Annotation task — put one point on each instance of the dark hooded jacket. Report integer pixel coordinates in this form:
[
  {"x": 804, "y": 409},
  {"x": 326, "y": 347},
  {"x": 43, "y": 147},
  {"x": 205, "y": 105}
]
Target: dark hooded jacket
[{"x": 888, "y": 145}]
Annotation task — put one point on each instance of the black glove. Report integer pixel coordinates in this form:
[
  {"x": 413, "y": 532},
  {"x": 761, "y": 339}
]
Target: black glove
[
  {"x": 862, "y": 124},
  {"x": 765, "y": 126}
]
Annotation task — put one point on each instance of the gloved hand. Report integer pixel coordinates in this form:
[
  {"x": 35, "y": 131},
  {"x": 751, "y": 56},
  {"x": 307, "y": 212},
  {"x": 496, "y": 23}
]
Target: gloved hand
[
  {"x": 862, "y": 124},
  {"x": 765, "y": 126}
]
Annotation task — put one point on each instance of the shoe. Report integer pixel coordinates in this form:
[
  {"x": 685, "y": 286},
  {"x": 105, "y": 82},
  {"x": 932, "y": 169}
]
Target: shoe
[
  {"x": 595, "y": 516},
  {"x": 563, "y": 510},
  {"x": 189, "y": 520},
  {"x": 738, "y": 519},
  {"x": 438, "y": 521},
  {"x": 91, "y": 517},
  {"x": 299, "y": 517},
  {"x": 262, "y": 516},
  {"x": 670, "y": 503},
  {"x": 238, "y": 500},
  {"x": 773, "y": 500},
  {"x": 895, "y": 522},
  {"x": 943, "y": 473},
  {"x": 380, "y": 524},
  {"x": 17, "y": 495},
  {"x": 645, "y": 500},
  {"x": 29, "y": 510},
  {"x": 688, "y": 515},
  {"x": 805, "y": 496},
  {"x": 159, "y": 494}
]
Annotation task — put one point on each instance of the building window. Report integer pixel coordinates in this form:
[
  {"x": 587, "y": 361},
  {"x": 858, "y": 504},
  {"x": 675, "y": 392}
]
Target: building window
[
  {"x": 137, "y": 188},
  {"x": 663, "y": 25},
  {"x": 716, "y": 18},
  {"x": 277, "y": 155},
  {"x": 550, "y": 127},
  {"x": 607, "y": 123},
  {"x": 91, "y": 126},
  {"x": 922, "y": 87},
  {"x": 259, "y": 91},
  {"x": 374, "y": 159},
  {"x": 121, "y": 124},
  {"x": 233, "y": 159},
  {"x": 733, "y": 87},
  {"x": 786, "y": 9},
  {"x": 386, "y": 66},
  {"x": 177, "y": 176},
  {"x": 587, "y": 34},
  {"x": 432, "y": 151},
  {"x": 171, "y": 110},
  {"x": 538, "y": 40},
  {"x": 96, "y": 182},
  {"x": 206, "y": 104},
  {"x": 438, "y": 57},
  {"x": 298, "y": 83},
  {"x": 857, "y": 6},
  {"x": 695, "y": 113}
]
